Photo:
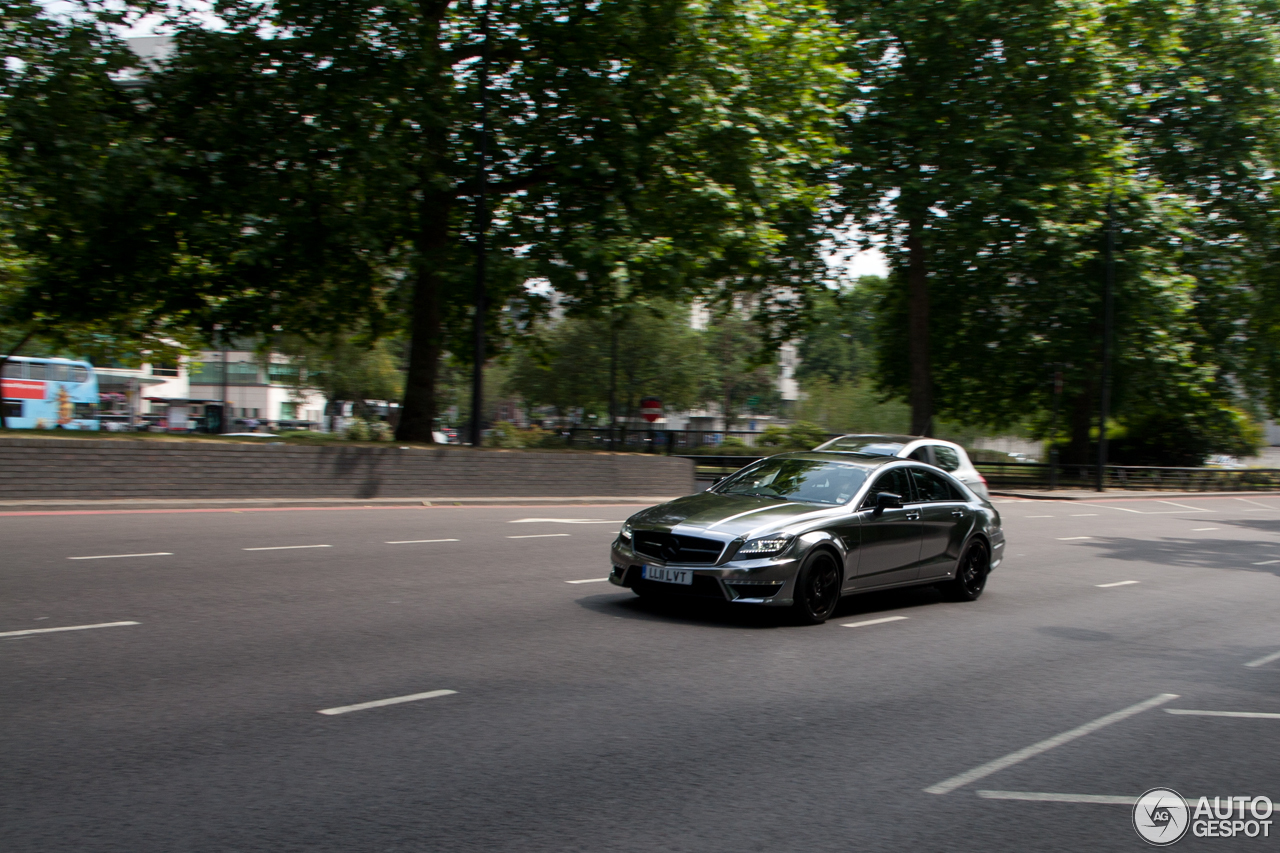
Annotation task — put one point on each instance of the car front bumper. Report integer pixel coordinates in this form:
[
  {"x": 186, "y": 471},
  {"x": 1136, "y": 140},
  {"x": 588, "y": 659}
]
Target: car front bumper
[{"x": 768, "y": 582}]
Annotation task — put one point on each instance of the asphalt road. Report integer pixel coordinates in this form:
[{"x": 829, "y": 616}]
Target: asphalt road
[{"x": 583, "y": 719}]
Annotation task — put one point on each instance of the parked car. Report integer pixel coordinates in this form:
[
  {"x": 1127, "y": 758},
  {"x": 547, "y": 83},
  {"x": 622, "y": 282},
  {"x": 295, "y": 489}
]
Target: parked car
[
  {"x": 942, "y": 454},
  {"x": 800, "y": 530}
]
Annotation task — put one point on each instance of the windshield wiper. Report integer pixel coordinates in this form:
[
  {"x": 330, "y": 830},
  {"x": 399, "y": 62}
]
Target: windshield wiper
[{"x": 761, "y": 495}]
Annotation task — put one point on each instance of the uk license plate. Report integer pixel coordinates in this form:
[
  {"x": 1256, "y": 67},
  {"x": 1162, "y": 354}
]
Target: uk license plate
[{"x": 665, "y": 575}]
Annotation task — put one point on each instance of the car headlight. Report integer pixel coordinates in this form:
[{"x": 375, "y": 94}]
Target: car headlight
[
  {"x": 765, "y": 546},
  {"x": 625, "y": 533}
]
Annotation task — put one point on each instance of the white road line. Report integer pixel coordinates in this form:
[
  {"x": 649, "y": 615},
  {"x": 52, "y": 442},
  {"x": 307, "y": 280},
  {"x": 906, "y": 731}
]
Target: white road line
[
  {"x": 1037, "y": 516},
  {"x": 1263, "y": 661},
  {"x": 1084, "y": 515},
  {"x": 566, "y": 521},
  {"x": 378, "y": 703},
  {"x": 1035, "y": 749},
  {"x": 879, "y": 621},
  {"x": 120, "y": 556},
  {"x": 1252, "y": 715},
  {"x": 1072, "y": 538},
  {"x": 1192, "y": 508},
  {"x": 1203, "y": 529},
  {"x": 539, "y": 535},
  {"x": 285, "y": 547},
  {"x": 1036, "y": 797},
  {"x": 418, "y": 541},
  {"x": 1117, "y": 583},
  {"x": 1267, "y": 563},
  {"x": 1125, "y": 509},
  {"x": 1255, "y": 503},
  {"x": 30, "y": 631},
  {"x": 590, "y": 580}
]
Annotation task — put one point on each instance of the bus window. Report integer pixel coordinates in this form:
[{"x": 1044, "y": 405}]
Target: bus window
[
  {"x": 58, "y": 372},
  {"x": 35, "y": 370},
  {"x": 13, "y": 370},
  {"x": 78, "y": 373},
  {"x": 13, "y": 408},
  {"x": 86, "y": 410}
]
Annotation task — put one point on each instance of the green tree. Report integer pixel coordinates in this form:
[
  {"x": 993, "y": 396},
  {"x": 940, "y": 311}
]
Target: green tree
[
  {"x": 739, "y": 363},
  {"x": 568, "y": 365}
]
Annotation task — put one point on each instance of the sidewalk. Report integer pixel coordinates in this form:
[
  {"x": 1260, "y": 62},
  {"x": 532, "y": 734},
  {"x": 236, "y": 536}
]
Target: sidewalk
[
  {"x": 1114, "y": 494},
  {"x": 322, "y": 503}
]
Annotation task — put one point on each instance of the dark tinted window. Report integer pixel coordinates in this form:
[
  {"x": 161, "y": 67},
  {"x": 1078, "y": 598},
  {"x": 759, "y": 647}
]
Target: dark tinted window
[
  {"x": 802, "y": 480},
  {"x": 947, "y": 458},
  {"x": 932, "y": 487},
  {"x": 920, "y": 454},
  {"x": 896, "y": 481}
]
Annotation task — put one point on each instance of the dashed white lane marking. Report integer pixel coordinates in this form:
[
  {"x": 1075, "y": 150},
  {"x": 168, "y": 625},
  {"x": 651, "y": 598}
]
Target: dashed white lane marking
[
  {"x": 1263, "y": 661},
  {"x": 590, "y": 580},
  {"x": 1037, "y": 797},
  {"x": 1117, "y": 583},
  {"x": 418, "y": 541},
  {"x": 1267, "y": 563},
  {"x": 1252, "y": 715},
  {"x": 1038, "y": 516},
  {"x": 1203, "y": 529},
  {"x": 378, "y": 703},
  {"x": 566, "y": 521},
  {"x": 1072, "y": 538},
  {"x": 539, "y": 535},
  {"x": 1255, "y": 503},
  {"x": 1084, "y": 515},
  {"x": 285, "y": 547},
  {"x": 121, "y": 556},
  {"x": 879, "y": 621},
  {"x": 1035, "y": 749},
  {"x": 67, "y": 628}
]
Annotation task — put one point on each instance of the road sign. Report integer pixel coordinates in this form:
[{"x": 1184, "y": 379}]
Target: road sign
[{"x": 650, "y": 409}]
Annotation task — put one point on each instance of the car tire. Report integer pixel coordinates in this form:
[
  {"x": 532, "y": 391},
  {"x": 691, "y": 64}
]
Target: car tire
[
  {"x": 817, "y": 589},
  {"x": 971, "y": 573}
]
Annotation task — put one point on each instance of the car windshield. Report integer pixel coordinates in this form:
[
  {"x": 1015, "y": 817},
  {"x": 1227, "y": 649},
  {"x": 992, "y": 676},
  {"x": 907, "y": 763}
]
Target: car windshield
[
  {"x": 803, "y": 480},
  {"x": 870, "y": 445}
]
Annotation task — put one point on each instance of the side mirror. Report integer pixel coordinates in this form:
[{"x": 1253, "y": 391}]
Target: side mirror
[{"x": 887, "y": 500}]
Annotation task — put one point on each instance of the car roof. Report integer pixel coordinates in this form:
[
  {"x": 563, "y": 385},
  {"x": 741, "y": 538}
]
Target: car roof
[{"x": 865, "y": 460}]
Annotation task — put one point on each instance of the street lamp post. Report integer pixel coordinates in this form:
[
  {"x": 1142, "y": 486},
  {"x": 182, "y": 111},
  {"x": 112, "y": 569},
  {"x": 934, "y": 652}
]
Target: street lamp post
[
  {"x": 1108, "y": 320},
  {"x": 482, "y": 228}
]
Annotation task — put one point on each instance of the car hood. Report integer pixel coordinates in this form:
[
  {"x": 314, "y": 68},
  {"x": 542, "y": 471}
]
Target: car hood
[{"x": 734, "y": 515}]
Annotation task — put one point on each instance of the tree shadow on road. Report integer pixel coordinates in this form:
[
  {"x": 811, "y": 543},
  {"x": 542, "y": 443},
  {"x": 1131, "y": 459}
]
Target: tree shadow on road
[{"x": 1252, "y": 555}]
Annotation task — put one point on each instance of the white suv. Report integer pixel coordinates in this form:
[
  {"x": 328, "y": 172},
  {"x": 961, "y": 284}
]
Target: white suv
[{"x": 943, "y": 454}]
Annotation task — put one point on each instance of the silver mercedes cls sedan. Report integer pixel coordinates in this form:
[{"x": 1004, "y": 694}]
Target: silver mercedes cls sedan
[{"x": 800, "y": 530}]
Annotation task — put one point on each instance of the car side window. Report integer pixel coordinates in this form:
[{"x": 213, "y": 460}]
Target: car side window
[
  {"x": 897, "y": 481},
  {"x": 932, "y": 487},
  {"x": 948, "y": 459},
  {"x": 921, "y": 454}
]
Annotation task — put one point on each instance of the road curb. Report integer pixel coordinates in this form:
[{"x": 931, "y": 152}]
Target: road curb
[{"x": 1120, "y": 493}]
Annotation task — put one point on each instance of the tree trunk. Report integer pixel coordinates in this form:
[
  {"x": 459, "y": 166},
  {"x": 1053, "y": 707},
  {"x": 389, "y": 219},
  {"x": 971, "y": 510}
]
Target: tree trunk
[
  {"x": 418, "y": 413},
  {"x": 920, "y": 395},
  {"x": 1077, "y": 449}
]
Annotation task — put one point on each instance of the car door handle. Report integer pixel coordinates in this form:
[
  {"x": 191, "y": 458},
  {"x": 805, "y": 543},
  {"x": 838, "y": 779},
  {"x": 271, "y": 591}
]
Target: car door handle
[
  {"x": 913, "y": 516},
  {"x": 958, "y": 513}
]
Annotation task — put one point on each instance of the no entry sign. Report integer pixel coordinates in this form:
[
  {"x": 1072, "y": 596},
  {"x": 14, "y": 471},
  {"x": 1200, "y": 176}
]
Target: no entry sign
[{"x": 650, "y": 409}]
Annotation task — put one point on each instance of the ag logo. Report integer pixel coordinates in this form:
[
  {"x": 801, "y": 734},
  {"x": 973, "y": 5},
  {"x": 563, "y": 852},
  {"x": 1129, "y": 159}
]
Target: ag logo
[{"x": 1161, "y": 816}]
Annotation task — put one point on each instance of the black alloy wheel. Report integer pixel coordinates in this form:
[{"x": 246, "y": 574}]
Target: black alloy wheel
[
  {"x": 971, "y": 573},
  {"x": 817, "y": 588}
]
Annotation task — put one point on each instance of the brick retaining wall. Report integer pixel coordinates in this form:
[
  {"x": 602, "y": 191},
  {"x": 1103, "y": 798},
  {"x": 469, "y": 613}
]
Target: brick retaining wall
[{"x": 36, "y": 469}]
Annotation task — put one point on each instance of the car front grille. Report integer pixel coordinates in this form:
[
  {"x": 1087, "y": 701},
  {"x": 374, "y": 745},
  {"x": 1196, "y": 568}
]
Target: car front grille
[{"x": 676, "y": 548}]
